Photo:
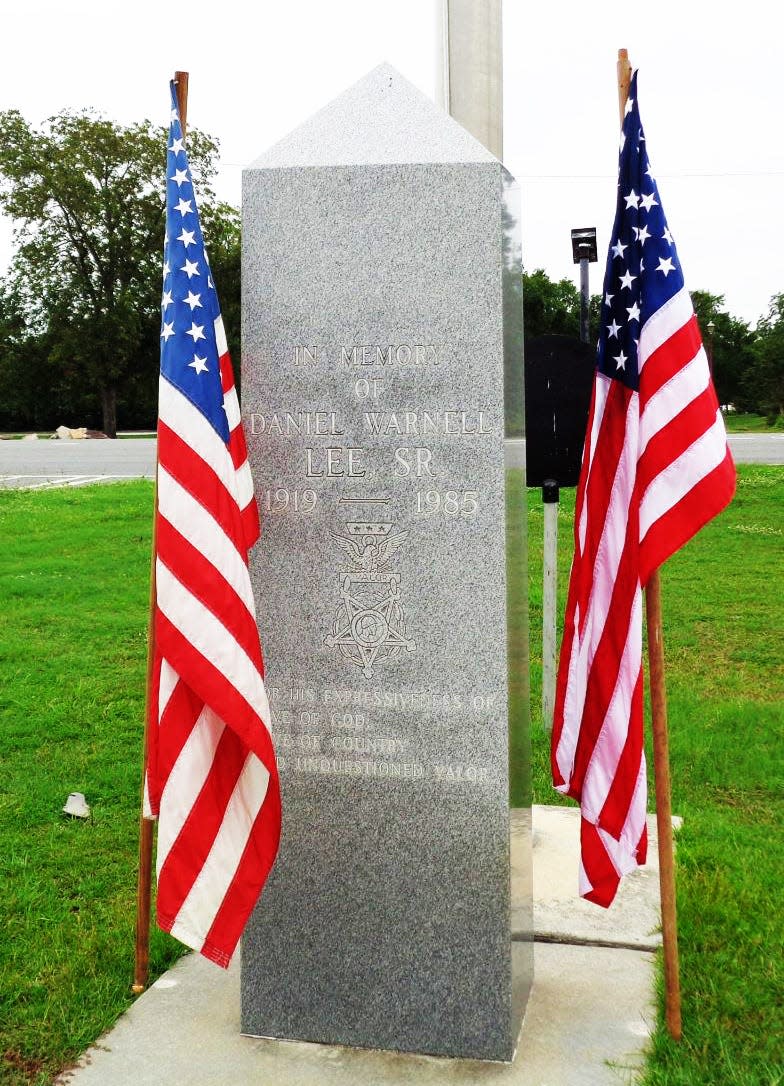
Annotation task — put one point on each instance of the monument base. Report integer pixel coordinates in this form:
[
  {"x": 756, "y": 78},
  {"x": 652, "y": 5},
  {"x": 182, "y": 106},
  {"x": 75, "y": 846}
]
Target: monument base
[
  {"x": 522, "y": 948},
  {"x": 522, "y": 968},
  {"x": 580, "y": 1031}
]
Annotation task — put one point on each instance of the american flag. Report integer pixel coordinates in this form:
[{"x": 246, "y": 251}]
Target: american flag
[
  {"x": 656, "y": 467},
  {"x": 212, "y": 779}
]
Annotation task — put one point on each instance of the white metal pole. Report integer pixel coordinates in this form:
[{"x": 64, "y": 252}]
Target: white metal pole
[
  {"x": 549, "y": 587},
  {"x": 585, "y": 301},
  {"x": 442, "y": 54},
  {"x": 472, "y": 68}
]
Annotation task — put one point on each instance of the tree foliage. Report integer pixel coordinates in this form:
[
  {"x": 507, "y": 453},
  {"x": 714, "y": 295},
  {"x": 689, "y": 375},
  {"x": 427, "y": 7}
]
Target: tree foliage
[
  {"x": 729, "y": 344},
  {"x": 88, "y": 196},
  {"x": 764, "y": 382},
  {"x": 79, "y": 308},
  {"x": 747, "y": 363},
  {"x": 221, "y": 227},
  {"x": 550, "y": 307}
]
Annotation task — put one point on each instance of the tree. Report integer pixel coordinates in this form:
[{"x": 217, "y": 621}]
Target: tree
[
  {"x": 89, "y": 196},
  {"x": 221, "y": 227},
  {"x": 550, "y": 307},
  {"x": 765, "y": 379},
  {"x": 513, "y": 317},
  {"x": 729, "y": 343},
  {"x": 19, "y": 353}
]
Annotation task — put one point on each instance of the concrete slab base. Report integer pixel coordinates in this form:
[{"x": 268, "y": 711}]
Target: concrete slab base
[
  {"x": 587, "y": 1023},
  {"x": 588, "y": 1019},
  {"x": 560, "y": 915}
]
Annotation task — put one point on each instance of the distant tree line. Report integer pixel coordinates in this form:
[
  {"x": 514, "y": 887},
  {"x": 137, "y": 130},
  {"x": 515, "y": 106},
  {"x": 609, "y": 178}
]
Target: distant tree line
[
  {"x": 80, "y": 303},
  {"x": 747, "y": 363}
]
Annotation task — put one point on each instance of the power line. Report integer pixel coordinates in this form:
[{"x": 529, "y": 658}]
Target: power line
[{"x": 666, "y": 176}]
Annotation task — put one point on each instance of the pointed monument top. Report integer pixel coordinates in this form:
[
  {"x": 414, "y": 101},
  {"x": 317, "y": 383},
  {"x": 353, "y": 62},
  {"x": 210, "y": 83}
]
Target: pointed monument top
[{"x": 381, "y": 120}]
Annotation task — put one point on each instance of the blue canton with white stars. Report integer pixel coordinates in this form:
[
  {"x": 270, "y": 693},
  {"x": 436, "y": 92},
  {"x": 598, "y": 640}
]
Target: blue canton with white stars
[
  {"x": 189, "y": 307},
  {"x": 643, "y": 271}
]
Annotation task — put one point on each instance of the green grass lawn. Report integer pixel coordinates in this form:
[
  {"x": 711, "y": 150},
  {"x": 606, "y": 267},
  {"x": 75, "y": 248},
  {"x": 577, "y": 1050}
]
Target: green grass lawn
[
  {"x": 738, "y": 423},
  {"x": 722, "y": 603},
  {"x": 73, "y": 599},
  {"x": 74, "y": 586}
]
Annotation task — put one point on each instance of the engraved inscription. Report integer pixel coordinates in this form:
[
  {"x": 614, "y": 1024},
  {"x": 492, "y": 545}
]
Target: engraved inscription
[
  {"x": 341, "y": 741},
  {"x": 390, "y": 355},
  {"x": 455, "y": 423},
  {"x": 346, "y": 446},
  {"x": 282, "y": 500},
  {"x": 451, "y": 503},
  {"x": 417, "y": 460},
  {"x": 369, "y": 354},
  {"x": 297, "y": 424},
  {"x": 334, "y": 463}
]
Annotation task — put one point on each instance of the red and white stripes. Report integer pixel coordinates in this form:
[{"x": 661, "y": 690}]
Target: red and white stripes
[
  {"x": 212, "y": 778},
  {"x": 685, "y": 473},
  {"x": 655, "y": 469}
]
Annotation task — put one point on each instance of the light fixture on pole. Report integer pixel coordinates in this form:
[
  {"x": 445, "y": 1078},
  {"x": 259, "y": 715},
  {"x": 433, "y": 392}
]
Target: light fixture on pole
[{"x": 584, "y": 253}]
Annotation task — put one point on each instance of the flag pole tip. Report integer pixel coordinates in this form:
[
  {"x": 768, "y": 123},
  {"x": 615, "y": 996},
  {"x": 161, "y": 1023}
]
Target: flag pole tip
[
  {"x": 623, "y": 54},
  {"x": 137, "y": 989}
]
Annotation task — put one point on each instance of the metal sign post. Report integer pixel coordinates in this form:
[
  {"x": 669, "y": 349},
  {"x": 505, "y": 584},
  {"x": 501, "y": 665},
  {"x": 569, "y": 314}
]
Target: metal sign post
[
  {"x": 550, "y": 498},
  {"x": 558, "y": 378},
  {"x": 584, "y": 253}
]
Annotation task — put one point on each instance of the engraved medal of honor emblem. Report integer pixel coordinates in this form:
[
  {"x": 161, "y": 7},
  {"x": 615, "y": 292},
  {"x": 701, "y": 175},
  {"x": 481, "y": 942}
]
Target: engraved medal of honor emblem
[{"x": 369, "y": 624}]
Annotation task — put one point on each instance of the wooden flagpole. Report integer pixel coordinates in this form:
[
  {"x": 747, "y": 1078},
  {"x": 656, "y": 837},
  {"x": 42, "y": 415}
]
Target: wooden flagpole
[
  {"x": 146, "y": 825},
  {"x": 661, "y": 754},
  {"x": 661, "y": 772}
]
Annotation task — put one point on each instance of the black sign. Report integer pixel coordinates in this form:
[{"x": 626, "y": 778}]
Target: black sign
[{"x": 558, "y": 378}]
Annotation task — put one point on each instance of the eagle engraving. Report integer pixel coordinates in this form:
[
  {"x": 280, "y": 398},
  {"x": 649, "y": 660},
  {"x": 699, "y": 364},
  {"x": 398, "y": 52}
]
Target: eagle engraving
[{"x": 370, "y": 551}]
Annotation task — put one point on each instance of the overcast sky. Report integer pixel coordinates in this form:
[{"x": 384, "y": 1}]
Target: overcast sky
[{"x": 710, "y": 94}]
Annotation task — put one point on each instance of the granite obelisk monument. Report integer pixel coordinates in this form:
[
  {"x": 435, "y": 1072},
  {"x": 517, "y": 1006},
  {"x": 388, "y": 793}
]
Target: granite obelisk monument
[{"x": 382, "y": 355}]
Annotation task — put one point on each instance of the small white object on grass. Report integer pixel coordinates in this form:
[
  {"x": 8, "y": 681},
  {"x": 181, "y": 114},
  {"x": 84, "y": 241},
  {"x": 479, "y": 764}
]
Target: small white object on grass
[{"x": 76, "y": 806}]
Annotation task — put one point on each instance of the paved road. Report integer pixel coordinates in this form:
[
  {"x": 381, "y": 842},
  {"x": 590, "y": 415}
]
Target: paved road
[
  {"x": 37, "y": 465},
  {"x": 757, "y": 448},
  {"x": 746, "y": 448}
]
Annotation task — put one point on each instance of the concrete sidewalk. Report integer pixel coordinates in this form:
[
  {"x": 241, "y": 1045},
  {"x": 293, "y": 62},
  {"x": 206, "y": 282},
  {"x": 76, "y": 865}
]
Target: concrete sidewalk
[{"x": 588, "y": 1019}]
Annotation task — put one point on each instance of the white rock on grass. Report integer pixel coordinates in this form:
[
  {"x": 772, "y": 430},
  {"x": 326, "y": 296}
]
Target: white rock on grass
[{"x": 76, "y": 806}]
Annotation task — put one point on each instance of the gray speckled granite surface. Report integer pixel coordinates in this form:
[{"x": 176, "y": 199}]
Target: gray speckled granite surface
[
  {"x": 397, "y": 123},
  {"x": 373, "y": 397}
]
